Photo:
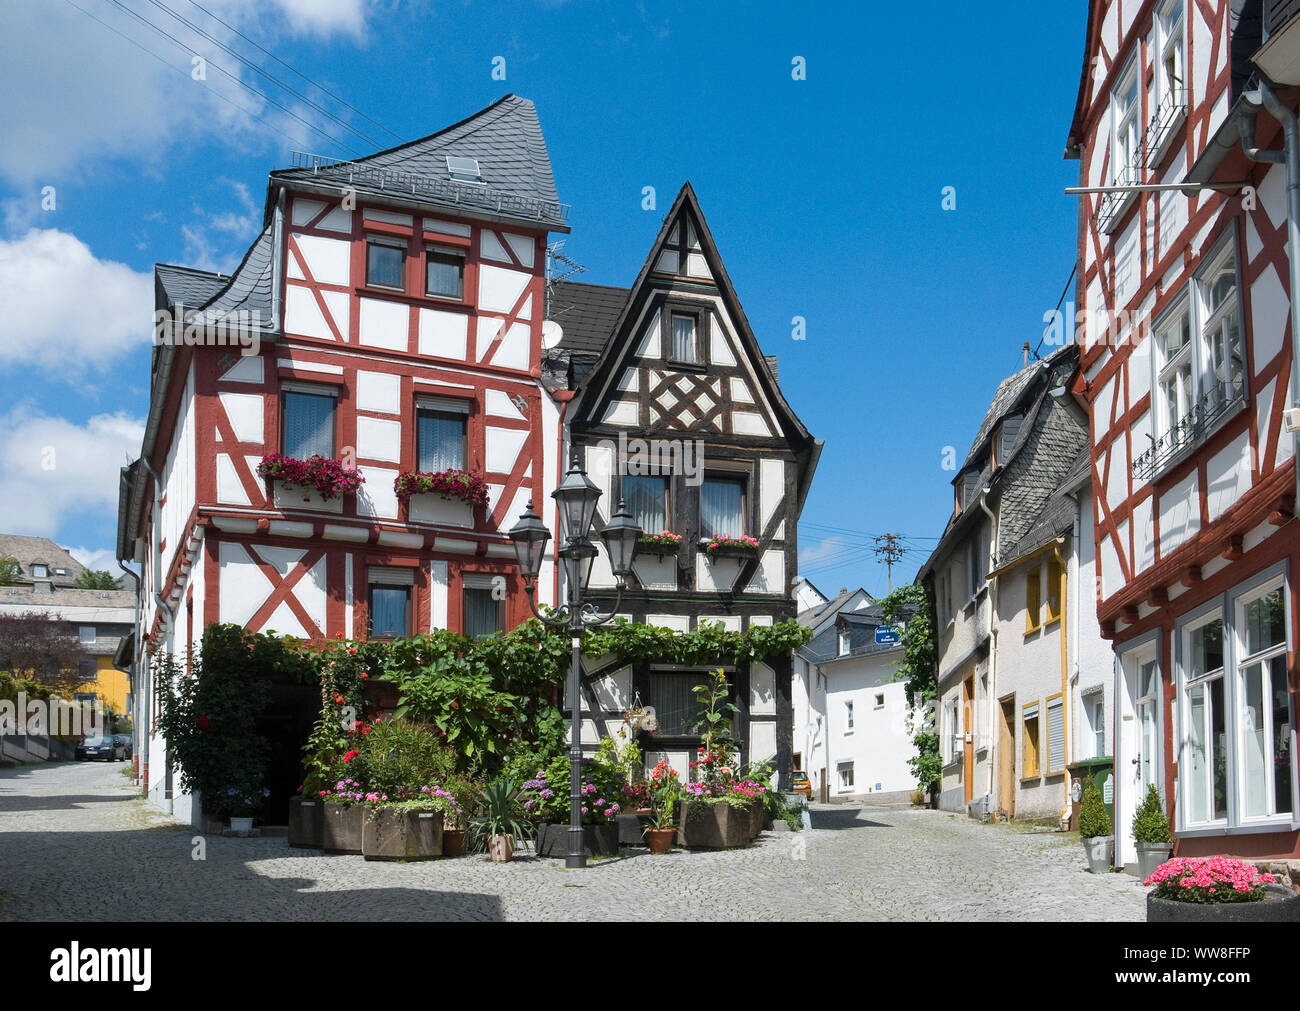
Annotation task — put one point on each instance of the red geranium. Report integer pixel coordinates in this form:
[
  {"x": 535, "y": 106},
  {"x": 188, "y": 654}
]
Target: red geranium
[{"x": 350, "y": 755}]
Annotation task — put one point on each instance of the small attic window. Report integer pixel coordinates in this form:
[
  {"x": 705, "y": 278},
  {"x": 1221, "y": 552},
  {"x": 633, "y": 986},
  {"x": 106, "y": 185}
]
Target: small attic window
[{"x": 464, "y": 170}]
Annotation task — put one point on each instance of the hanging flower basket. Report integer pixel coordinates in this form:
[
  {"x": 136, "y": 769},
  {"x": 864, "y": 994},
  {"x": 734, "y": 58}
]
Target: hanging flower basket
[
  {"x": 457, "y": 484},
  {"x": 723, "y": 546},
  {"x": 327, "y": 478}
]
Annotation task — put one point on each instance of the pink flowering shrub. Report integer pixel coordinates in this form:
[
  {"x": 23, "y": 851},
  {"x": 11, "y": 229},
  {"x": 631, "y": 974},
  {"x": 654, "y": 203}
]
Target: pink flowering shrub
[
  {"x": 722, "y": 542},
  {"x": 452, "y": 483},
  {"x": 327, "y": 477},
  {"x": 1212, "y": 879}
]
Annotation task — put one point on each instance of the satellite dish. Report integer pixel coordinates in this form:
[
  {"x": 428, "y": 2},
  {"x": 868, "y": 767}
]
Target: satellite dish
[{"x": 552, "y": 333}]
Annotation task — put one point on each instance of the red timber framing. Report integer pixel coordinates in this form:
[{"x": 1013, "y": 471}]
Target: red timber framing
[
  {"x": 1230, "y": 538},
  {"x": 503, "y": 401}
]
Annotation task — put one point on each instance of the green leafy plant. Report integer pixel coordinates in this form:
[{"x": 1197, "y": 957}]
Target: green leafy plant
[
  {"x": 665, "y": 793},
  {"x": 918, "y": 671},
  {"x": 1094, "y": 820},
  {"x": 95, "y": 579},
  {"x": 1149, "y": 823},
  {"x": 10, "y": 570},
  {"x": 499, "y": 814}
]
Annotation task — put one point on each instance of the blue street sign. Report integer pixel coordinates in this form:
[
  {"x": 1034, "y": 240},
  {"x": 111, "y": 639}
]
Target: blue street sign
[{"x": 887, "y": 635}]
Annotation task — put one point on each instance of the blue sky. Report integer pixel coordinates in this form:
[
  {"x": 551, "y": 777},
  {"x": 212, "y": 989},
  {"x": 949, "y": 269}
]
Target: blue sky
[{"x": 824, "y": 195}]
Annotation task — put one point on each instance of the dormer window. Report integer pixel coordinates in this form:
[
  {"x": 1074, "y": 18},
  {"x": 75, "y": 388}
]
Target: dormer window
[
  {"x": 40, "y": 572},
  {"x": 464, "y": 170},
  {"x": 843, "y": 642}
]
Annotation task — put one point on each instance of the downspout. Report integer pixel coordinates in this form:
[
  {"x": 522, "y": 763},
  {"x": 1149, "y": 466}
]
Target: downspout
[
  {"x": 993, "y": 640},
  {"x": 1290, "y": 156},
  {"x": 1066, "y": 601},
  {"x": 168, "y": 617},
  {"x": 135, "y": 665},
  {"x": 1076, "y": 606}
]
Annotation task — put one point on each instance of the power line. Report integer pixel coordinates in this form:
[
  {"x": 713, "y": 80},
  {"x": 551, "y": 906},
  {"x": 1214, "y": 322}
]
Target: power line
[
  {"x": 1059, "y": 302},
  {"x": 889, "y": 548},
  {"x": 343, "y": 102},
  {"x": 258, "y": 70},
  {"x": 243, "y": 84}
]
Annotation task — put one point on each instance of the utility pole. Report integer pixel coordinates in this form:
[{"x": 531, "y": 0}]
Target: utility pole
[{"x": 890, "y": 549}]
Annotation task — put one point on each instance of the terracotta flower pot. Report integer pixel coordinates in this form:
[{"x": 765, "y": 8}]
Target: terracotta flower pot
[
  {"x": 453, "y": 842},
  {"x": 501, "y": 848},
  {"x": 660, "y": 840}
]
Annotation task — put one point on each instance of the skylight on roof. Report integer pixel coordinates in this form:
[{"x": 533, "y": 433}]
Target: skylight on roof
[{"x": 464, "y": 170}]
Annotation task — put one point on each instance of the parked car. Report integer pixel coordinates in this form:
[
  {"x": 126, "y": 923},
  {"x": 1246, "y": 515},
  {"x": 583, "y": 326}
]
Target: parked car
[
  {"x": 801, "y": 784},
  {"x": 110, "y": 749}
]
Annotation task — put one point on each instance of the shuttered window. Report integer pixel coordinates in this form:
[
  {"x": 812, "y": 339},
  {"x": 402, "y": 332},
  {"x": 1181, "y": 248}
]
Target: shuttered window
[
  {"x": 1055, "y": 735},
  {"x": 674, "y": 702},
  {"x": 1029, "y": 724}
]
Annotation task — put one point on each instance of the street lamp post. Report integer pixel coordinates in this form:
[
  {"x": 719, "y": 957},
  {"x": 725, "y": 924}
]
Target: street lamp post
[{"x": 576, "y": 497}]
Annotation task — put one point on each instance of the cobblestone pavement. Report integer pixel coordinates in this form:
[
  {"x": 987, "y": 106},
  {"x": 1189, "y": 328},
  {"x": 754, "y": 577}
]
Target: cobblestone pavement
[{"x": 76, "y": 843}]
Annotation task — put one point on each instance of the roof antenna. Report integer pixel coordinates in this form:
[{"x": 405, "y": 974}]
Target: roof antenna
[{"x": 553, "y": 256}]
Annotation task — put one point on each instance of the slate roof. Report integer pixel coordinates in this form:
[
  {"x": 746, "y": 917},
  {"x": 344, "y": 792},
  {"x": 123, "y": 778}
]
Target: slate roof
[
  {"x": 176, "y": 284},
  {"x": 28, "y": 598},
  {"x": 813, "y": 615},
  {"x": 505, "y": 138},
  {"x": 42, "y": 550},
  {"x": 587, "y": 312},
  {"x": 1057, "y": 516}
]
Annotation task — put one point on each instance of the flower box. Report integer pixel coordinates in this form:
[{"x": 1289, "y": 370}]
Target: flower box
[
  {"x": 757, "y": 815},
  {"x": 742, "y": 547},
  {"x": 341, "y": 826},
  {"x": 297, "y": 496},
  {"x": 306, "y": 822},
  {"x": 315, "y": 483},
  {"x": 392, "y": 834},
  {"x": 1279, "y": 905},
  {"x": 714, "y": 826},
  {"x": 632, "y": 828},
  {"x": 665, "y": 543},
  {"x": 453, "y": 842},
  {"x": 598, "y": 840},
  {"x": 434, "y": 508}
]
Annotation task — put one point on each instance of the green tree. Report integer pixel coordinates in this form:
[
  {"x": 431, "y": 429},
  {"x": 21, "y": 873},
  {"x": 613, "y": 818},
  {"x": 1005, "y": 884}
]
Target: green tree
[
  {"x": 910, "y": 605},
  {"x": 95, "y": 579},
  {"x": 9, "y": 570}
]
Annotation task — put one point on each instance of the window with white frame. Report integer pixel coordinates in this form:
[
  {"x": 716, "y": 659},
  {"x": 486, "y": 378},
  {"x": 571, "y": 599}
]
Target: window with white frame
[
  {"x": 843, "y": 645},
  {"x": 880, "y": 700},
  {"x": 1264, "y": 750},
  {"x": 1094, "y": 708},
  {"x": 1206, "y": 747},
  {"x": 1170, "y": 82},
  {"x": 1223, "y": 368},
  {"x": 86, "y": 634},
  {"x": 848, "y": 717},
  {"x": 951, "y": 736},
  {"x": 845, "y": 770},
  {"x": 1126, "y": 108},
  {"x": 1176, "y": 392}
]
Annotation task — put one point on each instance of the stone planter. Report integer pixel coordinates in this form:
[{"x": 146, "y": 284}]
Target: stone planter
[
  {"x": 714, "y": 826},
  {"x": 453, "y": 842},
  {"x": 306, "y": 822},
  {"x": 341, "y": 826},
  {"x": 1100, "y": 851},
  {"x": 1279, "y": 905},
  {"x": 631, "y": 828},
  {"x": 1151, "y": 856},
  {"x": 598, "y": 840},
  {"x": 241, "y": 825},
  {"x": 296, "y": 496},
  {"x": 431, "y": 507},
  {"x": 388, "y": 834},
  {"x": 757, "y": 816}
]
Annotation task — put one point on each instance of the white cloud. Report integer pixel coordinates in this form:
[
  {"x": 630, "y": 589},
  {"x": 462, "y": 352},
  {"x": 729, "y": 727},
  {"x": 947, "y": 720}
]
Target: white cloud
[
  {"x": 65, "y": 310},
  {"x": 97, "y": 558},
  {"x": 57, "y": 123},
  {"x": 51, "y": 468}
]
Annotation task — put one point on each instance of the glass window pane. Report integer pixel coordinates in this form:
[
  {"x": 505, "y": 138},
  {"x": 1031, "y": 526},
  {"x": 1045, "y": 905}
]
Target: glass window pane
[
  {"x": 388, "y": 611},
  {"x": 445, "y": 274},
  {"x": 1099, "y": 729},
  {"x": 1253, "y": 745},
  {"x": 482, "y": 612},
  {"x": 674, "y": 702},
  {"x": 308, "y": 425},
  {"x": 1281, "y": 719},
  {"x": 684, "y": 338},
  {"x": 646, "y": 500},
  {"x": 1265, "y": 625},
  {"x": 385, "y": 265},
  {"x": 1197, "y": 760},
  {"x": 1219, "y": 737},
  {"x": 720, "y": 508},
  {"x": 440, "y": 440},
  {"x": 1207, "y": 648}
]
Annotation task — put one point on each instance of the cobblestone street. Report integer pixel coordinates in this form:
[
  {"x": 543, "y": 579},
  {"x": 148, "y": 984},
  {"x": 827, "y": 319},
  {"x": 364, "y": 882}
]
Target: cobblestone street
[{"x": 77, "y": 844}]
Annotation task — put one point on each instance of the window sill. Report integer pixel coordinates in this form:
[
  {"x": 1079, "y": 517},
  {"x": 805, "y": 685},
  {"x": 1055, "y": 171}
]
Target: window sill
[
  {"x": 452, "y": 299},
  {"x": 673, "y": 363},
  {"x": 1033, "y": 631},
  {"x": 1033, "y": 779},
  {"x": 1279, "y": 824}
]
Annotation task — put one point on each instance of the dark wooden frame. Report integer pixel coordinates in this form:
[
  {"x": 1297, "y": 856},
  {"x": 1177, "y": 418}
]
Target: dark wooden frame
[
  {"x": 742, "y": 475},
  {"x": 432, "y": 249},
  {"x": 390, "y": 242},
  {"x": 697, "y": 311}
]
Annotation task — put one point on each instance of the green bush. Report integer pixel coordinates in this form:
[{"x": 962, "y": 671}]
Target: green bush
[
  {"x": 1094, "y": 821},
  {"x": 1149, "y": 824}
]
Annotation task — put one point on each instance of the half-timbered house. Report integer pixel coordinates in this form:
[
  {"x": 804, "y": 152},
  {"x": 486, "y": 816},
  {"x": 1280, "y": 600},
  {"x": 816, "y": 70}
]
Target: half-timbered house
[
  {"x": 1186, "y": 359},
  {"x": 675, "y": 410},
  {"x": 389, "y": 317}
]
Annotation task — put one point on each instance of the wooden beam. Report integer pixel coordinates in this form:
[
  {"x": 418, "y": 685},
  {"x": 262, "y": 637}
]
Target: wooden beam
[
  {"x": 1190, "y": 576},
  {"x": 1158, "y": 597},
  {"x": 1232, "y": 548}
]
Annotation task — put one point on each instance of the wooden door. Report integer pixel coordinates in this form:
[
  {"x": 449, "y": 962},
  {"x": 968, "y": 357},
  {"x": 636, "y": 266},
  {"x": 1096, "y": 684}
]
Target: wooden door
[
  {"x": 968, "y": 737},
  {"x": 1007, "y": 757}
]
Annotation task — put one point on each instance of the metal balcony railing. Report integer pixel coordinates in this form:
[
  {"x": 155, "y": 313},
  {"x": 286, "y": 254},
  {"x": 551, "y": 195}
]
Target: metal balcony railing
[
  {"x": 1165, "y": 119},
  {"x": 1219, "y": 401},
  {"x": 1112, "y": 205}
]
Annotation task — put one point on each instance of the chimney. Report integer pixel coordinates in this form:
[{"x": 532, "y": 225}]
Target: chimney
[{"x": 1026, "y": 350}]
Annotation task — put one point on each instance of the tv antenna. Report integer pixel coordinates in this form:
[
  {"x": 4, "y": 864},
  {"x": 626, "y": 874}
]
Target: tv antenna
[{"x": 570, "y": 267}]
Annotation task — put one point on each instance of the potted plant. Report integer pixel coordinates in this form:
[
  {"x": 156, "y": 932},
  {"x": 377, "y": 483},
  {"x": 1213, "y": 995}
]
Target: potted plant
[
  {"x": 1151, "y": 832},
  {"x": 604, "y": 791},
  {"x": 314, "y": 482},
  {"x": 663, "y": 543},
  {"x": 240, "y": 804},
  {"x": 447, "y": 496},
  {"x": 1096, "y": 832},
  {"x": 722, "y": 809},
  {"x": 498, "y": 824},
  {"x": 1217, "y": 890},
  {"x": 342, "y": 817},
  {"x": 664, "y": 793},
  {"x": 406, "y": 825},
  {"x": 727, "y": 546}
]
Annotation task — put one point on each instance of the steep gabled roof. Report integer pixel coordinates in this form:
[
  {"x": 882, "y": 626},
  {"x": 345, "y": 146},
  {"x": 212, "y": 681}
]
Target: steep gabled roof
[
  {"x": 505, "y": 139},
  {"x": 218, "y": 296},
  {"x": 621, "y": 344}
]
